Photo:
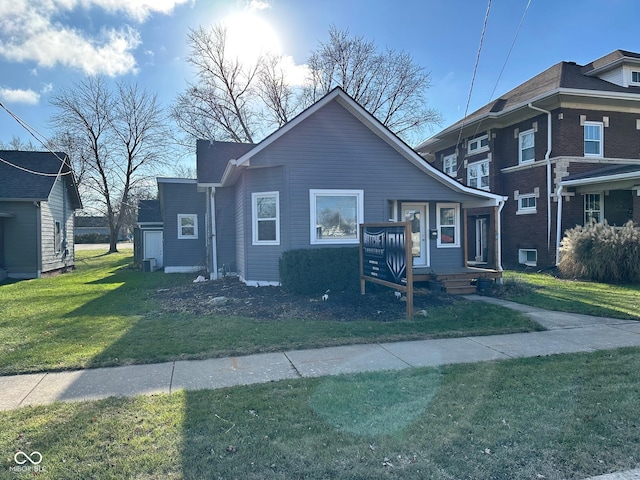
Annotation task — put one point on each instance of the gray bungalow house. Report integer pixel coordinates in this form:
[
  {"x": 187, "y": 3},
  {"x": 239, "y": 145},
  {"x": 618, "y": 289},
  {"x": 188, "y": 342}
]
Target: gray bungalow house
[
  {"x": 38, "y": 197},
  {"x": 309, "y": 185}
]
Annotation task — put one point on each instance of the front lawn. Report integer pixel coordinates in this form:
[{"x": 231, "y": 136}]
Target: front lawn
[
  {"x": 559, "y": 417},
  {"x": 106, "y": 313},
  {"x": 588, "y": 298}
]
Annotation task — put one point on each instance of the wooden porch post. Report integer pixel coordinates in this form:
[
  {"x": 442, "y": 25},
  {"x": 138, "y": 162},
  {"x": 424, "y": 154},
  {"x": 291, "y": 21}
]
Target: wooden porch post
[
  {"x": 465, "y": 237},
  {"x": 496, "y": 246}
]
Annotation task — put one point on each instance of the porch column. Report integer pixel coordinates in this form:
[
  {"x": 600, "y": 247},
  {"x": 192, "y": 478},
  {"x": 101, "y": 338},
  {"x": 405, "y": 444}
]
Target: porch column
[
  {"x": 465, "y": 228},
  {"x": 497, "y": 237}
]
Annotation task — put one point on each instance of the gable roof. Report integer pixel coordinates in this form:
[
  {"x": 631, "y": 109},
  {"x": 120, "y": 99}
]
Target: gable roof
[
  {"x": 30, "y": 176},
  {"x": 213, "y": 157},
  {"x": 566, "y": 78},
  {"x": 235, "y": 165}
]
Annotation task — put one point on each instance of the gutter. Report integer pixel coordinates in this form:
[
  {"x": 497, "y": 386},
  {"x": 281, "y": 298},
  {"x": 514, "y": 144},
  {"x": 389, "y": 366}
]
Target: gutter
[
  {"x": 559, "y": 221},
  {"x": 547, "y": 156}
]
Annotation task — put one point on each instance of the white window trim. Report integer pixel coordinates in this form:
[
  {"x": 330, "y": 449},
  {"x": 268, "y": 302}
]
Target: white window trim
[
  {"x": 453, "y": 164},
  {"x": 195, "y": 226},
  {"x": 520, "y": 137},
  {"x": 255, "y": 220},
  {"x": 526, "y": 210},
  {"x": 522, "y": 257},
  {"x": 478, "y": 141},
  {"x": 477, "y": 164},
  {"x": 631, "y": 77},
  {"x": 313, "y": 194},
  {"x": 456, "y": 206},
  {"x": 584, "y": 206},
  {"x": 601, "y": 126}
]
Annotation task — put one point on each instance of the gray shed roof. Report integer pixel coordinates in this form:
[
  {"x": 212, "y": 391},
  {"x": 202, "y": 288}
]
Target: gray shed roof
[
  {"x": 149, "y": 211},
  {"x": 213, "y": 157},
  {"x": 30, "y": 176}
]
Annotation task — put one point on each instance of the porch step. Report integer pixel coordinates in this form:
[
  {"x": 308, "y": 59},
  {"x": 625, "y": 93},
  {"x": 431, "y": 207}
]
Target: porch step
[{"x": 460, "y": 289}]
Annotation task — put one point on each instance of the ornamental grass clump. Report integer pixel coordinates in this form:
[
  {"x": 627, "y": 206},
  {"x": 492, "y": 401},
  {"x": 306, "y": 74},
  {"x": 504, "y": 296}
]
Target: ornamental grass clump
[{"x": 602, "y": 253}]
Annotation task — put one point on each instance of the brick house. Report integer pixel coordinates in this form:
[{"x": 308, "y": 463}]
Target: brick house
[{"x": 564, "y": 147}]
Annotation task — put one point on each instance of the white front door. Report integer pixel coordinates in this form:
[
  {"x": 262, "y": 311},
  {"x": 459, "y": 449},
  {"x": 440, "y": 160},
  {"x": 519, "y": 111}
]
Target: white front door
[
  {"x": 416, "y": 213},
  {"x": 153, "y": 247}
]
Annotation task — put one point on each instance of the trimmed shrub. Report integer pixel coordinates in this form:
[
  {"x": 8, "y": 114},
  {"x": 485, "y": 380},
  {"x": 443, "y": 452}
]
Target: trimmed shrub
[
  {"x": 316, "y": 270},
  {"x": 602, "y": 253}
]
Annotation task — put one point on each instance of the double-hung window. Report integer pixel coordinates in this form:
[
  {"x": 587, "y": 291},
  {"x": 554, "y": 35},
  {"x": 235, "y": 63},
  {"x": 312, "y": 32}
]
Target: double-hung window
[
  {"x": 448, "y": 220},
  {"x": 450, "y": 165},
  {"x": 592, "y": 208},
  {"x": 526, "y": 146},
  {"x": 593, "y": 139},
  {"x": 266, "y": 218},
  {"x": 336, "y": 215},
  {"x": 187, "y": 226},
  {"x": 478, "y": 175}
]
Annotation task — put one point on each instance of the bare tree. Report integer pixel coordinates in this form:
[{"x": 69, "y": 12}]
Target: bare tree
[
  {"x": 388, "y": 84},
  {"x": 16, "y": 143},
  {"x": 221, "y": 104},
  {"x": 115, "y": 138},
  {"x": 238, "y": 102}
]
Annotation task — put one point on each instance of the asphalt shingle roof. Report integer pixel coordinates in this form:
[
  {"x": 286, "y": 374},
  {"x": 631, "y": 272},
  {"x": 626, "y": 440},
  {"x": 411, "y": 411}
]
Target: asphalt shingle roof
[
  {"x": 213, "y": 157},
  {"x": 21, "y": 175}
]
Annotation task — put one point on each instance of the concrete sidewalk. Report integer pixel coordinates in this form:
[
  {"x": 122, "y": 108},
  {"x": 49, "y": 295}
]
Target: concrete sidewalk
[{"x": 567, "y": 333}]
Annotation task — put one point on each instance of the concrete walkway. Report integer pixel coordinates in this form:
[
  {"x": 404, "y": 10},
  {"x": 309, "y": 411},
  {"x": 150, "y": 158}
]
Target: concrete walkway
[{"x": 566, "y": 333}]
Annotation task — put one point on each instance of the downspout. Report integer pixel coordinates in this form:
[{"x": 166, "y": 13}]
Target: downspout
[
  {"x": 499, "y": 234},
  {"x": 547, "y": 156},
  {"x": 213, "y": 244},
  {"x": 559, "y": 223}
]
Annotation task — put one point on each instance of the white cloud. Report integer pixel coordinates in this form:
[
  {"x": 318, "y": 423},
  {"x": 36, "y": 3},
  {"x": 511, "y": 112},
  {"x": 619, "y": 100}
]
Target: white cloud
[
  {"x": 258, "y": 5},
  {"x": 29, "y": 31},
  {"x": 29, "y": 97}
]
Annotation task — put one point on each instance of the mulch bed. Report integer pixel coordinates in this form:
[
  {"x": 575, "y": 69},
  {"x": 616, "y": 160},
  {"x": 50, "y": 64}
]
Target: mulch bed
[{"x": 272, "y": 303}]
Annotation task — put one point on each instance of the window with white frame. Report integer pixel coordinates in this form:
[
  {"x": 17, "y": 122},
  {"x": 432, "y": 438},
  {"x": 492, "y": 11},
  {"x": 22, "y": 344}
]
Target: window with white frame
[
  {"x": 187, "y": 226},
  {"x": 265, "y": 214},
  {"x": 528, "y": 257},
  {"x": 593, "y": 139},
  {"x": 478, "y": 145},
  {"x": 635, "y": 76},
  {"x": 450, "y": 165},
  {"x": 592, "y": 208},
  {"x": 526, "y": 146},
  {"x": 478, "y": 175},
  {"x": 335, "y": 215},
  {"x": 527, "y": 203},
  {"x": 448, "y": 221}
]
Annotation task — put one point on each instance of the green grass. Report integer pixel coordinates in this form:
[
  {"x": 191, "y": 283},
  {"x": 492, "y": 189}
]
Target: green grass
[
  {"x": 104, "y": 313},
  {"x": 559, "y": 417},
  {"x": 588, "y": 298}
]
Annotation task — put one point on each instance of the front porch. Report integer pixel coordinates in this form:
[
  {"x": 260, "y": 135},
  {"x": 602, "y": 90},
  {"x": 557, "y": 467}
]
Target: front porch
[{"x": 455, "y": 281}]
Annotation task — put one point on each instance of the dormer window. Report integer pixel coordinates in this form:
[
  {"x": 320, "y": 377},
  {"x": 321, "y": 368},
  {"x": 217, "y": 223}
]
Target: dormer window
[
  {"x": 635, "y": 76},
  {"x": 478, "y": 145}
]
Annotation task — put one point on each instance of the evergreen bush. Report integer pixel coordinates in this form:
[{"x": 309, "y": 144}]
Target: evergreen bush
[
  {"x": 316, "y": 270},
  {"x": 602, "y": 253}
]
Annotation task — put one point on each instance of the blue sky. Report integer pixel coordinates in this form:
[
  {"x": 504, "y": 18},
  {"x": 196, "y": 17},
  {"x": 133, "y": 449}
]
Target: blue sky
[{"x": 48, "y": 44}]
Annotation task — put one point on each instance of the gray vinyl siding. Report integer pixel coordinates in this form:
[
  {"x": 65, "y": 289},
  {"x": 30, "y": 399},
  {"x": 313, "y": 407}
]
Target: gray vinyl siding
[
  {"x": 262, "y": 260},
  {"x": 57, "y": 209},
  {"x": 333, "y": 150},
  {"x": 183, "y": 199},
  {"x": 21, "y": 239},
  {"x": 226, "y": 231},
  {"x": 239, "y": 224}
]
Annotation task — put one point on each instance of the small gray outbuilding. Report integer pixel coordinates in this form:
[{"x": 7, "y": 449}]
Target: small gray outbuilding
[{"x": 38, "y": 198}]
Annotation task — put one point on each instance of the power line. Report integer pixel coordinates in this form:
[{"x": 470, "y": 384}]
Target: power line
[
  {"x": 31, "y": 131},
  {"x": 475, "y": 71}
]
